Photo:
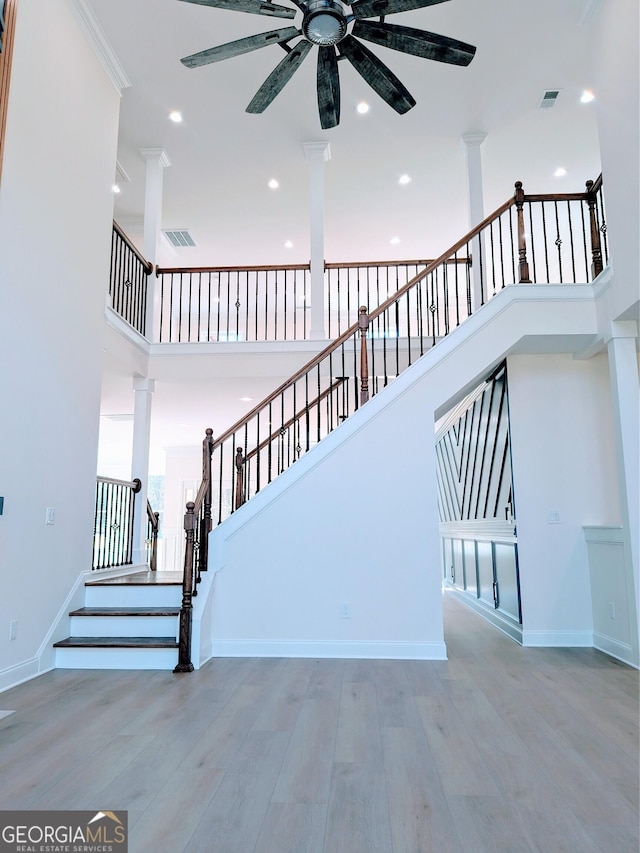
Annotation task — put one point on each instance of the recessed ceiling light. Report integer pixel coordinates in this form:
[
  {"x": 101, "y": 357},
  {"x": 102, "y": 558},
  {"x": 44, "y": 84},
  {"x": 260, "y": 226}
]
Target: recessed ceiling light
[
  {"x": 587, "y": 96},
  {"x": 273, "y": 184},
  {"x": 175, "y": 116},
  {"x": 115, "y": 189},
  {"x": 404, "y": 179},
  {"x": 288, "y": 244},
  {"x": 246, "y": 399},
  {"x": 560, "y": 172},
  {"x": 363, "y": 107},
  {"x": 394, "y": 241}
]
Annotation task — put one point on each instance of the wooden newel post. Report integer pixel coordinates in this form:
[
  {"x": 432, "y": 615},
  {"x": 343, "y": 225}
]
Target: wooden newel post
[
  {"x": 522, "y": 243},
  {"x": 184, "y": 640},
  {"x": 205, "y": 519},
  {"x": 363, "y": 325},
  {"x": 239, "y": 479},
  {"x": 596, "y": 247}
]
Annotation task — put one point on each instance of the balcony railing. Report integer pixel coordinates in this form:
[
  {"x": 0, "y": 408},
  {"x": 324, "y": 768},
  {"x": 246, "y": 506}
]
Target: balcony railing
[
  {"x": 128, "y": 281},
  {"x": 553, "y": 238}
]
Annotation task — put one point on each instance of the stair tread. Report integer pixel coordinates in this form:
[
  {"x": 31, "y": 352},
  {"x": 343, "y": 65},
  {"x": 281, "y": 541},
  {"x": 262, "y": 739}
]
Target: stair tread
[
  {"x": 126, "y": 611},
  {"x": 140, "y": 579},
  {"x": 118, "y": 642}
]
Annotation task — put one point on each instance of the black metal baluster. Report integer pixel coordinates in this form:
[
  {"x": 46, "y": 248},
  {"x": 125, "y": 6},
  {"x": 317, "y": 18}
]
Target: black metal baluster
[
  {"x": 558, "y": 241},
  {"x": 573, "y": 258}
]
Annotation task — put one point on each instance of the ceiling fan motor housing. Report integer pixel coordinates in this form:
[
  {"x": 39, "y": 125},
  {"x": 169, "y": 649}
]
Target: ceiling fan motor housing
[{"x": 324, "y": 22}]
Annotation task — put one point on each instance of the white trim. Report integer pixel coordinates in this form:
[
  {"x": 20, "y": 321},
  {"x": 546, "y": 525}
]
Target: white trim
[
  {"x": 614, "y": 648},
  {"x": 126, "y": 330},
  {"x": 12, "y": 676},
  {"x": 558, "y": 639},
  {"x": 604, "y": 533},
  {"x": 328, "y": 649},
  {"x": 481, "y": 531},
  {"x": 99, "y": 43}
]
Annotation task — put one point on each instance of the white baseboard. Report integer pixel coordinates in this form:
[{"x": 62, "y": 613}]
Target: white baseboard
[
  {"x": 12, "y": 676},
  {"x": 557, "y": 639},
  {"x": 615, "y": 649},
  {"x": 322, "y": 649}
]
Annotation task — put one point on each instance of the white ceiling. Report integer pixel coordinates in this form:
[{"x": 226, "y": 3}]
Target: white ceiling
[{"x": 222, "y": 158}]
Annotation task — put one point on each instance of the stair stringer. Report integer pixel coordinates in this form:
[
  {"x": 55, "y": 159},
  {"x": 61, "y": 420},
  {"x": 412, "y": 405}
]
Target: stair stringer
[{"x": 354, "y": 522}]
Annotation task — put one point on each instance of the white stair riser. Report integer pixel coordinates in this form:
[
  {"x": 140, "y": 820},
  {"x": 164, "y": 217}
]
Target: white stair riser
[
  {"x": 124, "y": 626},
  {"x": 133, "y": 596},
  {"x": 89, "y": 658}
]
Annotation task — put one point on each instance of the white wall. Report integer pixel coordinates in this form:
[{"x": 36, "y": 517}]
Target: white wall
[
  {"x": 563, "y": 462},
  {"x": 55, "y": 223},
  {"x": 360, "y": 529}
]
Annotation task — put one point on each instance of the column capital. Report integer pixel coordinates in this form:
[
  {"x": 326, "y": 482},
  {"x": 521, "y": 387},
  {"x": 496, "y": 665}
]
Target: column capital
[
  {"x": 472, "y": 140},
  {"x": 621, "y": 329},
  {"x": 317, "y": 151},
  {"x": 158, "y": 154},
  {"x": 141, "y": 383}
]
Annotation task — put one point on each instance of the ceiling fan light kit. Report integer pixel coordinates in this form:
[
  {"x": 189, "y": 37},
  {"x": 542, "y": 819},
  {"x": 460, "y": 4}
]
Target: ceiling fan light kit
[{"x": 325, "y": 24}]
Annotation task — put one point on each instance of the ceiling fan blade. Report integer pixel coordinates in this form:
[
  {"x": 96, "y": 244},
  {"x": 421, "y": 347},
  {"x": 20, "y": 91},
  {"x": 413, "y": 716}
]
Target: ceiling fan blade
[
  {"x": 328, "y": 87},
  {"x": 238, "y": 47},
  {"x": 417, "y": 42},
  {"x": 375, "y": 8},
  {"x": 381, "y": 79},
  {"x": 279, "y": 77},
  {"x": 254, "y": 7}
]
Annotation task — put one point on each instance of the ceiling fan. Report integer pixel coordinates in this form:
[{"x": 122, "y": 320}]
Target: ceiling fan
[{"x": 325, "y": 24}]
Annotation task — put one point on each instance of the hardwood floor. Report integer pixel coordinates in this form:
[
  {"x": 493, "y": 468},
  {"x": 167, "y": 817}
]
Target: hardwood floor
[{"x": 499, "y": 748}]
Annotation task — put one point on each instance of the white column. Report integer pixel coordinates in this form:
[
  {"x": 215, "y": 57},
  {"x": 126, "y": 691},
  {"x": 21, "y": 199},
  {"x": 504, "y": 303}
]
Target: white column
[
  {"x": 142, "y": 399},
  {"x": 472, "y": 143},
  {"x": 625, "y": 396},
  {"x": 317, "y": 154},
  {"x": 157, "y": 160}
]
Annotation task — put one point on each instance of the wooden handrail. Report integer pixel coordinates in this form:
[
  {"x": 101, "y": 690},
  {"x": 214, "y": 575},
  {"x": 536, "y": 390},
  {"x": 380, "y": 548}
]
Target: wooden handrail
[
  {"x": 135, "y": 485},
  {"x": 263, "y": 268},
  {"x": 380, "y": 309},
  {"x": 148, "y": 266}
]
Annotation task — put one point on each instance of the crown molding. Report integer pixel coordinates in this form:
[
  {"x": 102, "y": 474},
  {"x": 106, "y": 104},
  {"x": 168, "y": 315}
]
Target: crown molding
[{"x": 99, "y": 43}]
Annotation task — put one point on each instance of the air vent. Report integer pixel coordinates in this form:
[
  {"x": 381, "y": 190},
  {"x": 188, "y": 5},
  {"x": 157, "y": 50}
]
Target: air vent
[
  {"x": 180, "y": 238},
  {"x": 549, "y": 98}
]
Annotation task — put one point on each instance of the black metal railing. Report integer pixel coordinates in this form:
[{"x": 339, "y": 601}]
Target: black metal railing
[
  {"x": 113, "y": 522},
  {"x": 128, "y": 283},
  {"x": 348, "y": 286},
  {"x": 234, "y": 304}
]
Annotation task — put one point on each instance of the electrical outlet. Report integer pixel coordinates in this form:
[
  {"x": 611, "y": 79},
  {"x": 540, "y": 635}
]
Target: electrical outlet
[
  {"x": 345, "y": 611},
  {"x": 612, "y": 610},
  {"x": 13, "y": 630}
]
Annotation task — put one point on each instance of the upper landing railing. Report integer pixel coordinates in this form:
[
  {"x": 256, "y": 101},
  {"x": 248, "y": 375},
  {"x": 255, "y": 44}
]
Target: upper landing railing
[{"x": 553, "y": 238}]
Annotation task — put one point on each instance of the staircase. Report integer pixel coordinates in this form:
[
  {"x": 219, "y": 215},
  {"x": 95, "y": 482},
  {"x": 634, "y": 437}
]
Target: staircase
[{"x": 128, "y": 622}]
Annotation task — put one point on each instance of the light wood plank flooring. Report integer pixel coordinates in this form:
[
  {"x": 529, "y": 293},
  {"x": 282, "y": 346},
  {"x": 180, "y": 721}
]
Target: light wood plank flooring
[{"x": 499, "y": 748}]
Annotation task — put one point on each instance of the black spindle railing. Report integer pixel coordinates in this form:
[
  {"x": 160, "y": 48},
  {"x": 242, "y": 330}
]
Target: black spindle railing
[
  {"x": 113, "y": 522},
  {"x": 128, "y": 281},
  {"x": 222, "y": 304}
]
